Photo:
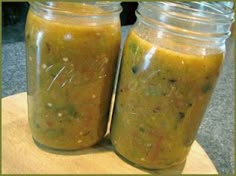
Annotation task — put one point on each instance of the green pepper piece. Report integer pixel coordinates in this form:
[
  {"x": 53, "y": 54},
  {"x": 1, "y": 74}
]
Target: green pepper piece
[
  {"x": 72, "y": 111},
  {"x": 206, "y": 88},
  {"x": 133, "y": 47},
  {"x": 141, "y": 129},
  {"x": 54, "y": 133},
  {"x": 172, "y": 80},
  {"x": 135, "y": 69}
]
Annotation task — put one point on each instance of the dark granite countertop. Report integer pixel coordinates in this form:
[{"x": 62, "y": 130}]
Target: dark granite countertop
[{"x": 216, "y": 131}]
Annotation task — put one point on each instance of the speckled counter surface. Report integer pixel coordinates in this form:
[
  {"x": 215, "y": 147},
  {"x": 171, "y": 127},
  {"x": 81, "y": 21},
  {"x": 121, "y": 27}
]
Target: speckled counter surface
[{"x": 216, "y": 131}]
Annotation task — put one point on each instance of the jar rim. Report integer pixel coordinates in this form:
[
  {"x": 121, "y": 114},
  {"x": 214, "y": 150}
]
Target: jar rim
[
  {"x": 197, "y": 10},
  {"x": 200, "y": 20},
  {"x": 110, "y": 8}
]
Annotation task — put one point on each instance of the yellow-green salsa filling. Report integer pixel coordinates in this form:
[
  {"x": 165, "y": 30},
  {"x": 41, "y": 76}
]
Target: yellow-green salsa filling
[
  {"x": 161, "y": 98},
  {"x": 71, "y": 67}
]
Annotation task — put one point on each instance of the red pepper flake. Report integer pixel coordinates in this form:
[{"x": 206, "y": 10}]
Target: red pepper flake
[
  {"x": 48, "y": 47},
  {"x": 156, "y": 109},
  {"x": 49, "y": 123},
  {"x": 181, "y": 115},
  {"x": 153, "y": 154}
]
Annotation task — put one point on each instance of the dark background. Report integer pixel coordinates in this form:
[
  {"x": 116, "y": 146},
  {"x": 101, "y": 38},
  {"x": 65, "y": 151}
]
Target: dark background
[{"x": 14, "y": 16}]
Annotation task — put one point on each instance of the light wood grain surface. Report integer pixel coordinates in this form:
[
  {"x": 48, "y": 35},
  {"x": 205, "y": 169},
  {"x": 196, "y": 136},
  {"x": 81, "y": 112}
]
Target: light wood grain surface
[{"x": 20, "y": 155}]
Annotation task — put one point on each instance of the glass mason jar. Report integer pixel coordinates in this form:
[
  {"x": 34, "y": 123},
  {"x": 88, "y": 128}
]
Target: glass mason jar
[
  {"x": 171, "y": 61},
  {"x": 72, "y": 51}
]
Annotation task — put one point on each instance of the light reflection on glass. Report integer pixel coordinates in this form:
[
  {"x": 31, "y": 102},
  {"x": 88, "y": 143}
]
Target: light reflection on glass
[
  {"x": 147, "y": 58},
  {"x": 68, "y": 37},
  {"x": 39, "y": 37}
]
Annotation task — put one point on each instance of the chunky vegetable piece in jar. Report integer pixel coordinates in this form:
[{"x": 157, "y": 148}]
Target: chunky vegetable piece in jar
[
  {"x": 161, "y": 98},
  {"x": 71, "y": 68}
]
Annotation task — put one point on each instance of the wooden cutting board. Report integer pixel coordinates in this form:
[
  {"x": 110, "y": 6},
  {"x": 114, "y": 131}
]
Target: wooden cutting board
[{"x": 20, "y": 155}]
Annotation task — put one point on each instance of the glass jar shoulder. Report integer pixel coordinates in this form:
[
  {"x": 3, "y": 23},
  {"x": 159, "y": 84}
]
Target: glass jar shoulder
[
  {"x": 162, "y": 39},
  {"x": 83, "y": 23},
  {"x": 60, "y": 33}
]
